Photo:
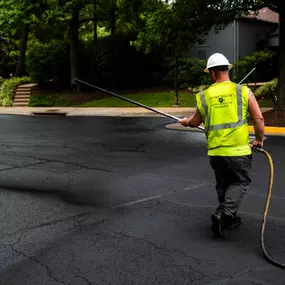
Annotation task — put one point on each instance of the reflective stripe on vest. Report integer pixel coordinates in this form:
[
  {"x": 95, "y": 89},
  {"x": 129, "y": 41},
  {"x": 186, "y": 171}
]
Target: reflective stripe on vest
[{"x": 239, "y": 123}]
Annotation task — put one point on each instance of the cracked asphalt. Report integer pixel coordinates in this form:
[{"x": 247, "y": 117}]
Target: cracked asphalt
[{"x": 90, "y": 200}]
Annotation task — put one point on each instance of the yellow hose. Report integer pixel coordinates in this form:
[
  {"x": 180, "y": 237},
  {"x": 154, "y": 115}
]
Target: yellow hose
[{"x": 268, "y": 257}]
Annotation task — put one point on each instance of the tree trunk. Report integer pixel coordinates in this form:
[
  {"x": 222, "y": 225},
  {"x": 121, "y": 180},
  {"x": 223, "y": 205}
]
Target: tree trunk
[
  {"x": 23, "y": 48},
  {"x": 176, "y": 83},
  {"x": 74, "y": 26},
  {"x": 95, "y": 40},
  {"x": 113, "y": 18},
  {"x": 281, "y": 61}
]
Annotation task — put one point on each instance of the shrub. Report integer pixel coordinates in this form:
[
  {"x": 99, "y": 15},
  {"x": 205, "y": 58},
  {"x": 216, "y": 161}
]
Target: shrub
[
  {"x": 199, "y": 88},
  {"x": 8, "y": 87},
  {"x": 48, "y": 62},
  {"x": 38, "y": 100},
  {"x": 264, "y": 63},
  {"x": 190, "y": 73},
  {"x": 121, "y": 66},
  {"x": 264, "y": 91}
]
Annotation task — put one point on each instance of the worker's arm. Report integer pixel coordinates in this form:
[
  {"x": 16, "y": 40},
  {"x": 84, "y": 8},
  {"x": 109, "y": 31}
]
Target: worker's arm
[
  {"x": 258, "y": 121},
  {"x": 194, "y": 121}
]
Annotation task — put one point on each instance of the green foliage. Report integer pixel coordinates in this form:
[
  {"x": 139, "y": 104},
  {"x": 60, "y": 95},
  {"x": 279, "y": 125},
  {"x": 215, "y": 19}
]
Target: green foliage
[
  {"x": 148, "y": 24},
  {"x": 121, "y": 66},
  {"x": 161, "y": 99},
  {"x": 153, "y": 99},
  {"x": 48, "y": 62},
  {"x": 7, "y": 88},
  {"x": 14, "y": 13},
  {"x": 265, "y": 90},
  {"x": 262, "y": 60},
  {"x": 200, "y": 88},
  {"x": 182, "y": 23},
  {"x": 38, "y": 100},
  {"x": 60, "y": 12},
  {"x": 190, "y": 73}
]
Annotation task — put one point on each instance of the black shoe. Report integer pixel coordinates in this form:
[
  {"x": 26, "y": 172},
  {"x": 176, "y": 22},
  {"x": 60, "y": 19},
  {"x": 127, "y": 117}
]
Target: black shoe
[
  {"x": 217, "y": 226},
  {"x": 232, "y": 222}
]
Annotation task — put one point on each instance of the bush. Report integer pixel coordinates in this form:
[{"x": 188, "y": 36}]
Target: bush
[
  {"x": 264, "y": 63},
  {"x": 200, "y": 88},
  {"x": 265, "y": 90},
  {"x": 48, "y": 62},
  {"x": 38, "y": 100},
  {"x": 7, "y": 89},
  {"x": 121, "y": 66},
  {"x": 190, "y": 73}
]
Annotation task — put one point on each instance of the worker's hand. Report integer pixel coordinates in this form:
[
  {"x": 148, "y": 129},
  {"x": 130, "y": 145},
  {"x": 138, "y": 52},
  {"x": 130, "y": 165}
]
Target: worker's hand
[
  {"x": 256, "y": 144},
  {"x": 184, "y": 122}
]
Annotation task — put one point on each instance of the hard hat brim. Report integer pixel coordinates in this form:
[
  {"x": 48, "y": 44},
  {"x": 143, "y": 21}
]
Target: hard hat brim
[{"x": 207, "y": 69}]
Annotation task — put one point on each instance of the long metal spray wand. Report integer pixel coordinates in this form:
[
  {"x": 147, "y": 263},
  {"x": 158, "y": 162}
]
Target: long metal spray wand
[{"x": 142, "y": 105}]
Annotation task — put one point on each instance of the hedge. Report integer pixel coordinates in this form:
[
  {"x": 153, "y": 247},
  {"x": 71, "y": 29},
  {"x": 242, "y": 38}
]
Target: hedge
[{"x": 8, "y": 87}]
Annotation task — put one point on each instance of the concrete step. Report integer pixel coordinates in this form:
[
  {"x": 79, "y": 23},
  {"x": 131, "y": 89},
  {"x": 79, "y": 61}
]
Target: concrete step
[
  {"x": 21, "y": 100},
  {"x": 23, "y": 92},
  {"x": 22, "y": 96},
  {"x": 26, "y": 99},
  {"x": 23, "y": 88},
  {"x": 30, "y": 85},
  {"x": 20, "y": 105}
]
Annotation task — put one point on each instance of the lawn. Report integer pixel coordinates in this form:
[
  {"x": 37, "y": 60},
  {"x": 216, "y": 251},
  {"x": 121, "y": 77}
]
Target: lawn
[
  {"x": 152, "y": 99},
  {"x": 160, "y": 99},
  {"x": 49, "y": 101}
]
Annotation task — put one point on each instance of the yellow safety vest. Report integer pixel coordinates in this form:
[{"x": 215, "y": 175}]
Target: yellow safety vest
[{"x": 224, "y": 109}]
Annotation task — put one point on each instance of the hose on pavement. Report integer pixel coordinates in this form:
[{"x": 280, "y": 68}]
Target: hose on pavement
[{"x": 268, "y": 199}]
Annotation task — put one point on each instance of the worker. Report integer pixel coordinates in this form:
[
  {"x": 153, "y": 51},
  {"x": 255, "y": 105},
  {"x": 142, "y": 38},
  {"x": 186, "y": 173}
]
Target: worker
[{"x": 223, "y": 109}]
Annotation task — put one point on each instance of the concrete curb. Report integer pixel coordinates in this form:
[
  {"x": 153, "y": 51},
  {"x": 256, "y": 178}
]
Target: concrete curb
[
  {"x": 122, "y": 112},
  {"x": 269, "y": 131},
  {"x": 98, "y": 111}
]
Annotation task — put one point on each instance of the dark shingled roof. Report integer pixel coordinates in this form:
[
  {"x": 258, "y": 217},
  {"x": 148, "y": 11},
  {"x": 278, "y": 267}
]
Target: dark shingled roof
[{"x": 266, "y": 15}]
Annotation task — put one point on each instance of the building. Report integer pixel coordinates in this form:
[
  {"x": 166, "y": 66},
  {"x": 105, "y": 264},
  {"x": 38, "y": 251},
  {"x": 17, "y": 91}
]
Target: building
[{"x": 242, "y": 37}]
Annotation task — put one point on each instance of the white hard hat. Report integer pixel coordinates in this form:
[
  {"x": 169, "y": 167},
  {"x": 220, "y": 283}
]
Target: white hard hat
[{"x": 217, "y": 59}]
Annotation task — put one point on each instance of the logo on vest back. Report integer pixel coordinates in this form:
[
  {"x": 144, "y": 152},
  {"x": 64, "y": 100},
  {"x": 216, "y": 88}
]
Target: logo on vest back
[{"x": 221, "y": 100}]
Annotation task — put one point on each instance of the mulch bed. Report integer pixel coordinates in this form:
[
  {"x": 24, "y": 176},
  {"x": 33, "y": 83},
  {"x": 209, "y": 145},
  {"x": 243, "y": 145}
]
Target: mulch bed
[{"x": 273, "y": 118}]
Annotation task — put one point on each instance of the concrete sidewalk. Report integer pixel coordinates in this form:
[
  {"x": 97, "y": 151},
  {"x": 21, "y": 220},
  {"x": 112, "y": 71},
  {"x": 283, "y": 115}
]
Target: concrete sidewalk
[
  {"x": 120, "y": 112},
  {"x": 98, "y": 111}
]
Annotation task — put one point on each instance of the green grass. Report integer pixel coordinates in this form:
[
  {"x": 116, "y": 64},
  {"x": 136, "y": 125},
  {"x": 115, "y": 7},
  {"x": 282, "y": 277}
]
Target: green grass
[
  {"x": 158, "y": 99},
  {"x": 49, "y": 101},
  {"x": 163, "y": 99}
]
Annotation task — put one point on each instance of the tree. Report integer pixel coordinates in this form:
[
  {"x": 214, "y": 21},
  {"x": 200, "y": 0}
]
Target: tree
[
  {"x": 185, "y": 22},
  {"x": 279, "y": 7},
  {"x": 71, "y": 15},
  {"x": 23, "y": 48},
  {"x": 65, "y": 15},
  {"x": 179, "y": 24},
  {"x": 15, "y": 19},
  {"x": 243, "y": 7}
]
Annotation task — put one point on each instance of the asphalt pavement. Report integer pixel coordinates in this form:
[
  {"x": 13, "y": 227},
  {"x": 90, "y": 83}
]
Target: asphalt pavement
[{"x": 118, "y": 200}]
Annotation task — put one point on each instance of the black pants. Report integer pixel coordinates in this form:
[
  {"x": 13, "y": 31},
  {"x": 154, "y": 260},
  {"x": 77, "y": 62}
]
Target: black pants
[{"x": 233, "y": 177}]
